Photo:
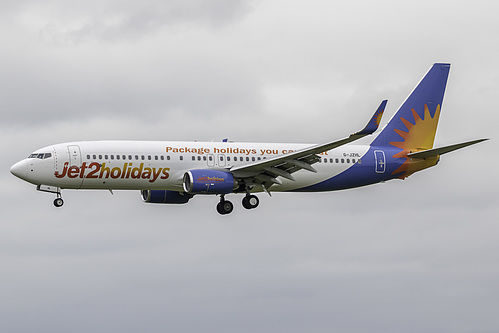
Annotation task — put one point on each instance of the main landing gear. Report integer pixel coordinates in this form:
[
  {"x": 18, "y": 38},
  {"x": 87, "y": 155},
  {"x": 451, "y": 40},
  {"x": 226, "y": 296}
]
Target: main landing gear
[
  {"x": 225, "y": 207},
  {"x": 250, "y": 201}
]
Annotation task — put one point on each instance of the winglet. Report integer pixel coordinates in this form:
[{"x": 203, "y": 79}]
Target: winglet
[{"x": 373, "y": 124}]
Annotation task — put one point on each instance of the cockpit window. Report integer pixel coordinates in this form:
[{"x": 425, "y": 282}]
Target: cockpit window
[{"x": 41, "y": 156}]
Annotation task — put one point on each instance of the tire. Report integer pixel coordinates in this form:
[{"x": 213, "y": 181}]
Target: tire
[
  {"x": 250, "y": 201},
  {"x": 58, "y": 202},
  {"x": 220, "y": 208},
  {"x": 225, "y": 207}
]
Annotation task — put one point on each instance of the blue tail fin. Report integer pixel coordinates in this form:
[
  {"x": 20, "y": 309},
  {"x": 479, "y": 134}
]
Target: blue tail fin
[{"x": 414, "y": 125}]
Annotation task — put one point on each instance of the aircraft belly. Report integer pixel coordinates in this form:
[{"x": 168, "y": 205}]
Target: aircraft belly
[
  {"x": 130, "y": 184},
  {"x": 305, "y": 178}
]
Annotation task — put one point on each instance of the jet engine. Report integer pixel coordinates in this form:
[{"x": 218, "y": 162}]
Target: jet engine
[
  {"x": 207, "y": 181},
  {"x": 165, "y": 197}
]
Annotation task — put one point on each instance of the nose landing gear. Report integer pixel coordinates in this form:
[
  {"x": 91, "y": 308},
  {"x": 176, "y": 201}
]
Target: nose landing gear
[{"x": 58, "y": 202}]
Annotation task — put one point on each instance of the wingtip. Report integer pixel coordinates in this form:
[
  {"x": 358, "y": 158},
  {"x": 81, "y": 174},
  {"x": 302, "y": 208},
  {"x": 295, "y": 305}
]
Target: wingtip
[{"x": 375, "y": 120}]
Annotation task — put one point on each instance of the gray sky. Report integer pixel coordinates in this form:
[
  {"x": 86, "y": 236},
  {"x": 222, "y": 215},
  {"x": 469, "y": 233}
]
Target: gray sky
[{"x": 418, "y": 255}]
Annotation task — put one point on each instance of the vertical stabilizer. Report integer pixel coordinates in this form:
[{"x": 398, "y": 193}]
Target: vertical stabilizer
[{"x": 414, "y": 125}]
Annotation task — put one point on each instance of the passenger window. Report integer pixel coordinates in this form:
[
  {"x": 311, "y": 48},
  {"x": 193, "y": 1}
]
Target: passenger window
[
  {"x": 95, "y": 157},
  {"x": 88, "y": 157},
  {"x": 117, "y": 157},
  {"x": 112, "y": 157},
  {"x": 204, "y": 158},
  {"x": 228, "y": 158},
  {"x": 253, "y": 159},
  {"x": 124, "y": 157},
  {"x": 137, "y": 157},
  {"x": 330, "y": 160},
  {"x": 337, "y": 161},
  {"x": 156, "y": 157},
  {"x": 105, "y": 157},
  {"x": 348, "y": 160},
  {"x": 342, "y": 160},
  {"x": 210, "y": 158},
  {"x": 241, "y": 159},
  {"x": 181, "y": 158},
  {"x": 193, "y": 158},
  {"x": 162, "y": 157},
  {"x": 359, "y": 161},
  {"x": 353, "y": 160},
  {"x": 149, "y": 157},
  {"x": 259, "y": 158},
  {"x": 247, "y": 159},
  {"x": 199, "y": 158},
  {"x": 325, "y": 160},
  {"x": 143, "y": 157},
  {"x": 168, "y": 157}
]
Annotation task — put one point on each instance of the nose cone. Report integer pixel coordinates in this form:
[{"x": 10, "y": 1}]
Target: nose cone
[{"x": 20, "y": 169}]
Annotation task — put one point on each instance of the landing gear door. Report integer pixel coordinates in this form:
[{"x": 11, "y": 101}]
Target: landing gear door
[
  {"x": 74, "y": 155},
  {"x": 380, "y": 162}
]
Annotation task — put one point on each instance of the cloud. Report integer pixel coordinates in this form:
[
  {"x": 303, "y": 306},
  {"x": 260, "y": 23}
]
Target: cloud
[
  {"x": 114, "y": 21},
  {"x": 419, "y": 253}
]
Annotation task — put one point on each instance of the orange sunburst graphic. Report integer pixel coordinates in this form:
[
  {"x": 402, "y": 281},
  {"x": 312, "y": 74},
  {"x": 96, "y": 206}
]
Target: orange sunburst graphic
[
  {"x": 377, "y": 117},
  {"x": 420, "y": 136}
]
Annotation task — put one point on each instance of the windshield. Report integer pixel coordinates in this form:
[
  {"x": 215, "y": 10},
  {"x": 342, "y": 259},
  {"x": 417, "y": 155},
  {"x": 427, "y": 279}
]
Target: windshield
[{"x": 41, "y": 156}]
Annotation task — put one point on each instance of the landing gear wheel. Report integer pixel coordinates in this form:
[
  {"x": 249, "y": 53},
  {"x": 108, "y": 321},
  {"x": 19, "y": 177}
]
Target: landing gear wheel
[
  {"x": 250, "y": 201},
  {"x": 225, "y": 207},
  {"x": 58, "y": 202}
]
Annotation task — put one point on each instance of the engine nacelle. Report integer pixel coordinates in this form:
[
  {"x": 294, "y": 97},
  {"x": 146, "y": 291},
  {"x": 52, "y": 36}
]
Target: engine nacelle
[
  {"x": 208, "y": 181},
  {"x": 164, "y": 197}
]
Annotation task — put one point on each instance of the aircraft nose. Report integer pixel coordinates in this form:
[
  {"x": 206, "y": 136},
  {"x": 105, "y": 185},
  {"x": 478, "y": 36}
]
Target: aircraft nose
[{"x": 20, "y": 169}]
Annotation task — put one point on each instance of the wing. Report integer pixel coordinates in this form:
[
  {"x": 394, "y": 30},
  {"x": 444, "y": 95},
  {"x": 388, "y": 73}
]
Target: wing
[{"x": 265, "y": 172}]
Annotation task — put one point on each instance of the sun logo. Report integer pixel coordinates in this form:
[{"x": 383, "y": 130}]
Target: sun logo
[
  {"x": 377, "y": 117},
  {"x": 420, "y": 135}
]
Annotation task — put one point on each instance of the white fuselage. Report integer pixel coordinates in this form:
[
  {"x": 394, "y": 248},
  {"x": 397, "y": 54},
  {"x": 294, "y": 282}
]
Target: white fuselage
[{"x": 138, "y": 165}]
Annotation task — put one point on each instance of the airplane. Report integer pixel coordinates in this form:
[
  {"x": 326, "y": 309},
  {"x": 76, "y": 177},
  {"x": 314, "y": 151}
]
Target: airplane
[{"x": 172, "y": 172}]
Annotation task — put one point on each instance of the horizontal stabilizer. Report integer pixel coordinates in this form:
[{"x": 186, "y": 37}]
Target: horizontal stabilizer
[{"x": 442, "y": 150}]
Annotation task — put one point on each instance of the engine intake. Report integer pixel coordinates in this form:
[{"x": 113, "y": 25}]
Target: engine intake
[
  {"x": 208, "y": 181},
  {"x": 164, "y": 197}
]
